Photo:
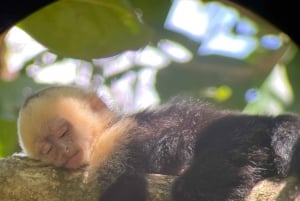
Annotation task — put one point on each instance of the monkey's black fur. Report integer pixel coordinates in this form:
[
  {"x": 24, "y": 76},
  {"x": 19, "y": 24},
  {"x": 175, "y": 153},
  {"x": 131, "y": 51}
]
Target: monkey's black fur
[{"x": 223, "y": 153}]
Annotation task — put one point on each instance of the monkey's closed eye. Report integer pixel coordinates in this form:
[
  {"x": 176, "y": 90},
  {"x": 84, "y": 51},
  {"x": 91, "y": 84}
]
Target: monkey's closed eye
[
  {"x": 63, "y": 132},
  {"x": 46, "y": 148}
]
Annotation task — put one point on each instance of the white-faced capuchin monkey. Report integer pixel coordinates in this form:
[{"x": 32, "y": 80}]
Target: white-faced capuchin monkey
[{"x": 217, "y": 155}]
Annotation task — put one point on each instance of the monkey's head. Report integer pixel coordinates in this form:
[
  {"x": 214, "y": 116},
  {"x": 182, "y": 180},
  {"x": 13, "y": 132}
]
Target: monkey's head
[{"x": 58, "y": 125}]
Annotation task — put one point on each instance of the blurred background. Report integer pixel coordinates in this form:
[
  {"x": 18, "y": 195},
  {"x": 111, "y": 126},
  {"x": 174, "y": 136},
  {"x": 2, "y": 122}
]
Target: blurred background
[{"x": 137, "y": 54}]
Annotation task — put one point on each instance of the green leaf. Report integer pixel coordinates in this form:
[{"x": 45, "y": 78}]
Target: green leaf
[
  {"x": 154, "y": 12},
  {"x": 12, "y": 95},
  {"x": 87, "y": 29},
  {"x": 8, "y": 137}
]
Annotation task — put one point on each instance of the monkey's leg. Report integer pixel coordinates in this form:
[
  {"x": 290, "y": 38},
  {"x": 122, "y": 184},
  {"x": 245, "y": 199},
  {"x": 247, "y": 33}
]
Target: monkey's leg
[
  {"x": 215, "y": 179},
  {"x": 231, "y": 156}
]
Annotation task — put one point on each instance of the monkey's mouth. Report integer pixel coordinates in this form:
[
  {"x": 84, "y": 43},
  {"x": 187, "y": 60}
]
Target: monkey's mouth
[{"x": 75, "y": 161}]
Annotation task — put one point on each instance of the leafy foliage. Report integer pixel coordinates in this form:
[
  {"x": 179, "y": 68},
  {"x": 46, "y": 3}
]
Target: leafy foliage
[
  {"x": 8, "y": 137},
  {"x": 87, "y": 28}
]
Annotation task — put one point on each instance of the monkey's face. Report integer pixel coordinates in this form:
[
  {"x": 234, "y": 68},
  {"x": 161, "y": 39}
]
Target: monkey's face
[
  {"x": 61, "y": 129},
  {"x": 63, "y": 145}
]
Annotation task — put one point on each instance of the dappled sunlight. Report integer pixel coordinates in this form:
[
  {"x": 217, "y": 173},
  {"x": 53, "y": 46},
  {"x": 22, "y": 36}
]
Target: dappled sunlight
[
  {"x": 240, "y": 46},
  {"x": 280, "y": 85},
  {"x": 194, "y": 24},
  {"x": 271, "y": 42},
  {"x": 64, "y": 72},
  {"x": 217, "y": 28},
  {"x": 176, "y": 51},
  {"x": 22, "y": 47},
  {"x": 273, "y": 97}
]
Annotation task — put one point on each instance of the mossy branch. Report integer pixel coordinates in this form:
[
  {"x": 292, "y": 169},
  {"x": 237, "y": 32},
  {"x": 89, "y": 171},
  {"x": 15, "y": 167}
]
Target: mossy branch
[{"x": 28, "y": 180}]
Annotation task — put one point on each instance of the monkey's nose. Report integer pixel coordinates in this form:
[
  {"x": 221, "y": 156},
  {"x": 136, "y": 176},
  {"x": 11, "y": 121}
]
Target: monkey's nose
[{"x": 67, "y": 150}]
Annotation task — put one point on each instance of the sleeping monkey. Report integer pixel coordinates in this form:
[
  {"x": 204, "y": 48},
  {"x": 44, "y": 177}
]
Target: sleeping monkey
[{"x": 217, "y": 155}]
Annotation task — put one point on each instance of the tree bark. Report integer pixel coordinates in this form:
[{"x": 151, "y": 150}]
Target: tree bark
[
  {"x": 25, "y": 179},
  {"x": 29, "y": 180}
]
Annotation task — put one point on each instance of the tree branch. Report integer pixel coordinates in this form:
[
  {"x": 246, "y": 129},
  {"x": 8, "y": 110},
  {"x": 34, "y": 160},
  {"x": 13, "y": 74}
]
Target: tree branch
[{"x": 29, "y": 180}]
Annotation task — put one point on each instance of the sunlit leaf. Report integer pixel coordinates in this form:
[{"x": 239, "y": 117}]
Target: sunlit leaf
[
  {"x": 87, "y": 28},
  {"x": 293, "y": 72},
  {"x": 222, "y": 93},
  {"x": 274, "y": 96}
]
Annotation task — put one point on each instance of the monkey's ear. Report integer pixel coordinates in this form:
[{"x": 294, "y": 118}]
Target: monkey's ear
[{"x": 95, "y": 102}]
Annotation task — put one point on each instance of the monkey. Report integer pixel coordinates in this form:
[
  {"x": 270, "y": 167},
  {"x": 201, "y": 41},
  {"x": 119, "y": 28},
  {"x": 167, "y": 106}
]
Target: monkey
[{"x": 215, "y": 154}]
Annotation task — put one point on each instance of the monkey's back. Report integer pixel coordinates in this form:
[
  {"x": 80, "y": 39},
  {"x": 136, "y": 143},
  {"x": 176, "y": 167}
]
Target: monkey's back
[{"x": 164, "y": 139}]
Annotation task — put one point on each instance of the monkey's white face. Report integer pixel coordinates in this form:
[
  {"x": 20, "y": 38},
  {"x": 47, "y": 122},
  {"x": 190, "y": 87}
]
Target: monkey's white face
[
  {"x": 62, "y": 146},
  {"x": 61, "y": 127}
]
